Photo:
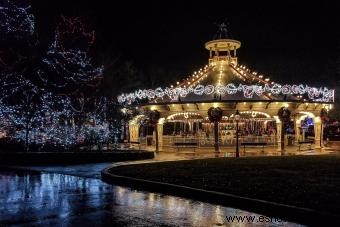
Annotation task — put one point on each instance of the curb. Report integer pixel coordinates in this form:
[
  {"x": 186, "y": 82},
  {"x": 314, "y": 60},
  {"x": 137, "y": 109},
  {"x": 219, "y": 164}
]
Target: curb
[
  {"x": 54, "y": 158},
  {"x": 271, "y": 209}
]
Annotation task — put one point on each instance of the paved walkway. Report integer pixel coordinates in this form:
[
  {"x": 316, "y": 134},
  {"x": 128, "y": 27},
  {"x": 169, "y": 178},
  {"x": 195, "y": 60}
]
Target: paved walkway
[
  {"x": 173, "y": 155},
  {"x": 51, "y": 199},
  {"x": 93, "y": 170}
]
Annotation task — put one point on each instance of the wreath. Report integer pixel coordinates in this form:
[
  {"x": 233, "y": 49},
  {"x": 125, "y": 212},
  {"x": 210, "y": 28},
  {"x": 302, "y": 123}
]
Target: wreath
[
  {"x": 215, "y": 114},
  {"x": 154, "y": 117},
  {"x": 324, "y": 116},
  {"x": 284, "y": 114}
]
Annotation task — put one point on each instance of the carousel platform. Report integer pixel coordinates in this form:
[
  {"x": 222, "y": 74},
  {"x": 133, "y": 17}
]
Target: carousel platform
[{"x": 230, "y": 152}]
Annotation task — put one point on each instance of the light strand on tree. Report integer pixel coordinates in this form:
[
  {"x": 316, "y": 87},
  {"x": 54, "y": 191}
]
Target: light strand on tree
[
  {"x": 71, "y": 64},
  {"x": 36, "y": 114},
  {"x": 16, "y": 20}
]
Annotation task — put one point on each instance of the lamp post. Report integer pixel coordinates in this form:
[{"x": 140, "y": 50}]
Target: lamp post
[{"x": 237, "y": 118}]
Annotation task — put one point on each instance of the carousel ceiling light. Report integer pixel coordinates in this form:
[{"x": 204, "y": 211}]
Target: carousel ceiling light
[
  {"x": 186, "y": 115},
  {"x": 255, "y": 113}
]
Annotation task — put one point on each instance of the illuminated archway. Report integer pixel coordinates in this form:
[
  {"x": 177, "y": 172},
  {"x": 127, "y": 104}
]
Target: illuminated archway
[{"x": 184, "y": 116}]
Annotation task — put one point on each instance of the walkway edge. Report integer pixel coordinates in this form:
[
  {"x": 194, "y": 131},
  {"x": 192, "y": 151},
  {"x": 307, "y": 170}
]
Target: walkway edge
[
  {"x": 270, "y": 209},
  {"x": 71, "y": 158}
]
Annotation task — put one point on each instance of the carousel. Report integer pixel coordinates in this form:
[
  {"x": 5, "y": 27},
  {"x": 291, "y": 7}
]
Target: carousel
[{"x": 224, "y": 104}]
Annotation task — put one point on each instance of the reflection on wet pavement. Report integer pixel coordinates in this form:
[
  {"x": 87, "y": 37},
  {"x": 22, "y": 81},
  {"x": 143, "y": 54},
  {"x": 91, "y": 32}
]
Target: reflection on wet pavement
[{"x": 50, "y": 199}]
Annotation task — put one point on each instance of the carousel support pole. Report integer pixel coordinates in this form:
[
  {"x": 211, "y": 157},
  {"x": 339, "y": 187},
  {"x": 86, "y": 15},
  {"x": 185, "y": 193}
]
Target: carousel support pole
[
  {"x": 283, "y": 119},
  {"x": 154, "y": 117},
  {"x": 160, "y": 134},
  {"x": 237, "y": 118},
  {"x": 216, "y": 138},
  {"x": 215, "y": 115},
  {"x": 237, "y": 146},
  {"x": 297, "y": 130},
  {"x": 303, "y": 134},
  {"x": 283, "y": 138},
  {"x": 322, "y": 133},
  {"x": 324, "y": 119},
  {"x": 279, "y": 135},
  {"x": 317, "y": 132},
  {"x": 156, "y": 135}
]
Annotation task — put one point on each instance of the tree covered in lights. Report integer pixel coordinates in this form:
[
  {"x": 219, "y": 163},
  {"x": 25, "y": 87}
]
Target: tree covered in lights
[
  {"x": 45, "y": 98},
  {"x": 18, "y": 42},
  {"x": 18, "y": 38},
  {"x": 67, "y": 65}
]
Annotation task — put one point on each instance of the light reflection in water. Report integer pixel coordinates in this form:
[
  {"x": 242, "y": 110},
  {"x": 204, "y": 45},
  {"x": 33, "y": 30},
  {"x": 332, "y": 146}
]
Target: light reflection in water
[{"x": 56, "y": 199}]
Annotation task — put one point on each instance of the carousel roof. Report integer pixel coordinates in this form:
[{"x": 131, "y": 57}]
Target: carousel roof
[{"x": 224, "y": 80}]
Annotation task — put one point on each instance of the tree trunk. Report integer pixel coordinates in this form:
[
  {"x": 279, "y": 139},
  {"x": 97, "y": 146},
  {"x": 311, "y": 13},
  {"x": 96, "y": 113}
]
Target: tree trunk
[{"x": 26, "y": 135}]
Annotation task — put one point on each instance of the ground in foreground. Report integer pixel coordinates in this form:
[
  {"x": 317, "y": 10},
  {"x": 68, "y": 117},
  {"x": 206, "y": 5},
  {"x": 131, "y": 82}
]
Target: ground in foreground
[{"x": 303, "y": 181}]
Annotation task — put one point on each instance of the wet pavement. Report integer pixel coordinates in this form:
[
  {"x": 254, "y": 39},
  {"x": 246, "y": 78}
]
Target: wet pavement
[
  {"x": 83, "y": 170},
  {"x": 58, "y": 199}
]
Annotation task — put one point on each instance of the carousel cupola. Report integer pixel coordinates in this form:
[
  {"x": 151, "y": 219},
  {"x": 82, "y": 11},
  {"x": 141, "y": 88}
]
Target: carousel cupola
[{"x": 222, "y": 48}]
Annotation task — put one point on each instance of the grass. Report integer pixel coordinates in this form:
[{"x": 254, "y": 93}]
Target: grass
[{"x": 304, "y": 181}]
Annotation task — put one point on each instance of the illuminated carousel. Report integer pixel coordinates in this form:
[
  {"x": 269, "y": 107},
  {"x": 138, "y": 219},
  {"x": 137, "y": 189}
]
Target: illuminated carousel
[{"x": 222, "y": 98}]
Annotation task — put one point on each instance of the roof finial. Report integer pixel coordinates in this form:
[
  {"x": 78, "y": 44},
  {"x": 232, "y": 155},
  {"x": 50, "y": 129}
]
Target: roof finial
[
  {"x": 222, "y": 32},
  {"x": 222, "y": 49}
]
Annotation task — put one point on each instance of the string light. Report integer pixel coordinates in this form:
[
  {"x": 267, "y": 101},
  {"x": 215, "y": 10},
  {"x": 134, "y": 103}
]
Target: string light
[
  {"x": 36, "y": 114},
  {"x": 16, "y": 20},
  {"x": 186, "y": 115},
  {"x": 315, "y": 94},
  {"x": 70, "y": 64}
]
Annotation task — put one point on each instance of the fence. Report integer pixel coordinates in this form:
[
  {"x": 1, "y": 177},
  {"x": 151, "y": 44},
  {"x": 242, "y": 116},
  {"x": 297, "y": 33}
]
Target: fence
[
  {"x": 208, "y": 142},
  {"x": 203, "y": 141}
]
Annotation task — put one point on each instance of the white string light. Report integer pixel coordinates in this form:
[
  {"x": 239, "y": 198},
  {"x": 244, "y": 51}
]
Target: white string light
[
  {"x": 28, "y": 111},
  {"x": 249, "y": 91},
  {"x": 16, "y": 20}
]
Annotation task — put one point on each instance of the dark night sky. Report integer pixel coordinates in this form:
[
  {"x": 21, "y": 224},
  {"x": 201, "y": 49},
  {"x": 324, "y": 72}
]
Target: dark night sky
[{"x": 287, "y": 41}]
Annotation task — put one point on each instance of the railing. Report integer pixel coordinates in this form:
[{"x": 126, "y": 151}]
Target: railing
[
  {"x": 203, "y": 141},
  {"x": 208, "y": 142}
]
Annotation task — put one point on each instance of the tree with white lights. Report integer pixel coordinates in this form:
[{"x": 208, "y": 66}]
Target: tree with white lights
[
  {"x": 40, "y": 101},
  {"x": 67, "y": 65}
]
